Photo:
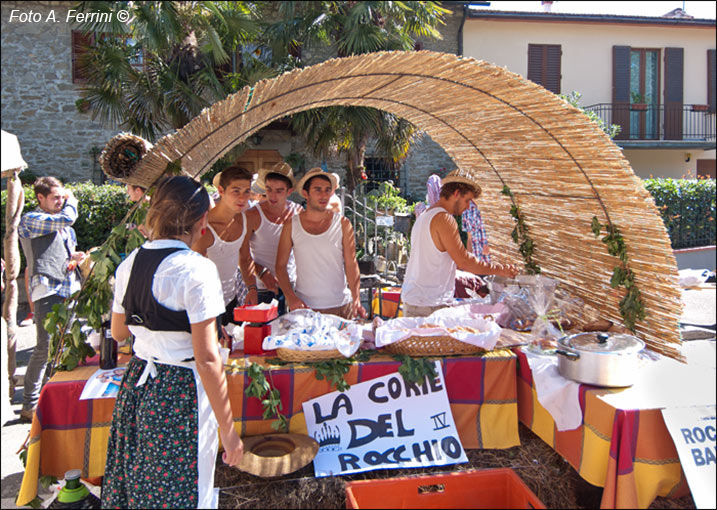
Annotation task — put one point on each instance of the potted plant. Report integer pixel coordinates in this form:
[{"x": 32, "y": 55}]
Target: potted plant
[
  {"x": 638, "y": 102},
  {"x": 700, "y": 107}
]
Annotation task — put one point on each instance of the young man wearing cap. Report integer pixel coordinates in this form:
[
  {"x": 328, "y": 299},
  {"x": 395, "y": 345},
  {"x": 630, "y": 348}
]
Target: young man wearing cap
[
  {"x": 322, "y": 241},
  {"x": 225, "y": 233},
  {"x": 257, "y": 257},
  {"x": 437, "y": 250}
]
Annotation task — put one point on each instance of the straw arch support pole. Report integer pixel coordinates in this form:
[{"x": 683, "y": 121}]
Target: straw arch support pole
[{"x": 502, "y": 128}]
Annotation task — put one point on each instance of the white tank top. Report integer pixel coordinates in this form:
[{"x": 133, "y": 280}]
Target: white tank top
[
  {"x": 430, "y": 274},
  {"x": 225, "y": 256},
  {"x": 320, "y": 270},
  {"x": 264, "y": 244}
]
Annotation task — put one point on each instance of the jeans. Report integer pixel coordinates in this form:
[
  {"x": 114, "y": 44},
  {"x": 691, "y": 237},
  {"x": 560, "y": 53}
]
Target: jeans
[{"x": 37, "y": 367}]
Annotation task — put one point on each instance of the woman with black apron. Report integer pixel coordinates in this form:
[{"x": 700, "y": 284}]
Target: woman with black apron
[{"x": 163, "y": 441}]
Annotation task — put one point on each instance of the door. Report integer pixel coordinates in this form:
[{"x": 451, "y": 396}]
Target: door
[{"x": 255, "y": 159}]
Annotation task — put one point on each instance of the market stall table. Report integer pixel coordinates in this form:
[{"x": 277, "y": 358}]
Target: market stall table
[
  {"x": 623, "y": 444},
  {"x": 69, "y": 433}
]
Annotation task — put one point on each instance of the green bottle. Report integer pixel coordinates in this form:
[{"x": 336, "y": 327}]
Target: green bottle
[{"x": 74, "y": 494}]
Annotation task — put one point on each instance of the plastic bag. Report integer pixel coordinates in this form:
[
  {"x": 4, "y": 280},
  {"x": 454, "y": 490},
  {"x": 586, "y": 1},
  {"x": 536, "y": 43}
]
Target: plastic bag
[
  {"x": 520, "y": 315},
  {"x": 542, "y": 299}
]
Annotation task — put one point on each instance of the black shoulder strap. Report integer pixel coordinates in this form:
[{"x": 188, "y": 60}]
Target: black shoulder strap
[{"x": 140, "y": 306}]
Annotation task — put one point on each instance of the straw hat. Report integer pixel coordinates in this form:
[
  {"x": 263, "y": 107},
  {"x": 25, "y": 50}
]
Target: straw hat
[
  {"x": 280, "y": 168},
  {"x": 216, "y": 179},
  {"x": 255, "y": 188},
  {"x": 313, "y": 172},
  {"x": 271, "y": 455},
  {"x": 464, "y": 177}
]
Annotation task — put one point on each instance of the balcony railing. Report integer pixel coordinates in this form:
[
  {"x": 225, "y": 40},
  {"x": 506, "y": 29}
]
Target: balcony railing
[{"x": 652, "y": 122}]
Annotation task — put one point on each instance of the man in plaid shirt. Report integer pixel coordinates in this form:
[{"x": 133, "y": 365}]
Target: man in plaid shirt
[
  {"x": 477, "y": 241},
  {"x": 49, "y": 241}
]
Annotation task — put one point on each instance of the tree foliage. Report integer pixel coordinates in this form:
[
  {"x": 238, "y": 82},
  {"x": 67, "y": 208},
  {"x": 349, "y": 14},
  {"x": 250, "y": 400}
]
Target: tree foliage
[{"x": 171, "y": 60}]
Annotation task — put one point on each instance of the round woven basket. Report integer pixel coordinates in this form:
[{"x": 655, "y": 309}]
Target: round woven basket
[
  {"x": 432, "y": 346},
  {"x": 121, "y": 155},
  {"x": 299, "y": 356}
]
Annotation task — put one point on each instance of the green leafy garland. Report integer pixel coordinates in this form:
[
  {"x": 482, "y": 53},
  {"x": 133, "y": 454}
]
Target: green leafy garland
[
  {"x": 270, "y": 397},
  {"x": 632, "y": 308},
  {"x": 68, "y": 343},
  {"x": 411, "y": 369},
  {"x": 520, "y": 236},
  {"x": 415, "y": 370}
]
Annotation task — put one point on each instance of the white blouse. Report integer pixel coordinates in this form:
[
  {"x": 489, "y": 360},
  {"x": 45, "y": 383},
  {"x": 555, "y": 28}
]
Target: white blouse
[{"x": 185, "y": 280}]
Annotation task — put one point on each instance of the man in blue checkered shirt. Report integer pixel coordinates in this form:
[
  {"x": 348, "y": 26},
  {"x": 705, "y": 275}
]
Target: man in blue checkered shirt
[{"x": 48, "y": 241}]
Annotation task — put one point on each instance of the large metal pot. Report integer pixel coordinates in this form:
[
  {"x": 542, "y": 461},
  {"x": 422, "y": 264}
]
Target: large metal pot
[{"x": 598, "y": 358}]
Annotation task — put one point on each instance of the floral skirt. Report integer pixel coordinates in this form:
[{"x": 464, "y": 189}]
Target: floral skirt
[{"x": 153, "y": 449}]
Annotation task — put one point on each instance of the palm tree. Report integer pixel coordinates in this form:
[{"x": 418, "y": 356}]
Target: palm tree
[
  {"x": 352, "y": 28},
  {"x": 172, "y": 59}
]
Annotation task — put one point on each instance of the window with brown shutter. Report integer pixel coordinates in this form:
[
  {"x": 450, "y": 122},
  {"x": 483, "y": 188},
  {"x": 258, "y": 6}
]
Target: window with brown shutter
[
  {"x": 80, "y": 43},
  {"x": 544, "y": 65}
]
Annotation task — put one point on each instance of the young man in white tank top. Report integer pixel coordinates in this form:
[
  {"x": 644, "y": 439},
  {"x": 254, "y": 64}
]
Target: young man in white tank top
[
  {"x": 437, "y": 250},
  {"x": 257, "y": 257},
  {"x": 327, "y": 273},
  {"x": 226, "y": 231}
]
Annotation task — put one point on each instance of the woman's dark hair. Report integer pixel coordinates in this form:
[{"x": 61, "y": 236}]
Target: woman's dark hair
[{"x": 176, "y": 205}]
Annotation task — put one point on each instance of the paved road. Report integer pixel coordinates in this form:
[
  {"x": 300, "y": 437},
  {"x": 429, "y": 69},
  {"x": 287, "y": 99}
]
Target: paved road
[{"x": 699, "y": 312}]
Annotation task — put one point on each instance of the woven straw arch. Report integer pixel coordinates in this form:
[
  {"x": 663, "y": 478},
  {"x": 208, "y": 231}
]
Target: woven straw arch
[{"x": 504, "y": 129}]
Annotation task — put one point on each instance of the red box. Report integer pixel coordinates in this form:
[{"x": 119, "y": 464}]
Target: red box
[
  {"x": 484, "y": 488},
  {"x": 244, "y": 313},
  {"x": 253, "y": 337}
]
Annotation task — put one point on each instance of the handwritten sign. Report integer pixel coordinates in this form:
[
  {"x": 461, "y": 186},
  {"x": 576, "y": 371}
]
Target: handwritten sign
[
  {"x": 384, "y": 423},
  {"x": 693, "y": 431}
]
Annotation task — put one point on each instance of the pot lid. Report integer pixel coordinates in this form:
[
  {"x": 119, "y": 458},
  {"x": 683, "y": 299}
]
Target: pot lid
[{"x": 596, "y": 341}]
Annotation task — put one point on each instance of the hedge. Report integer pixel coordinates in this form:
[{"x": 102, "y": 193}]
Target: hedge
[
  {"x": 688, "y": 209},
  {"x": 100, "y": 209}
]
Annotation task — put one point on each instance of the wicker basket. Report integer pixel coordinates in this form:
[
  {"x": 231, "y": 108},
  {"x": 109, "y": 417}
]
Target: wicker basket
[
  {"x": 301, "y": 356},
  {"x": 432, "y": 346}
]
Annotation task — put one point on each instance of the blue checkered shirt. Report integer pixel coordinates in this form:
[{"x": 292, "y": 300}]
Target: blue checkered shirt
[
  {"x": 473, "y": 223},
  {"x": 39, "y": 223}
]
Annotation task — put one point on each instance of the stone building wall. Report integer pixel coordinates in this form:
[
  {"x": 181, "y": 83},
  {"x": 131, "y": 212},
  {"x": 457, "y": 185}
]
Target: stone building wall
[{"x": 38, "y": 96}]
